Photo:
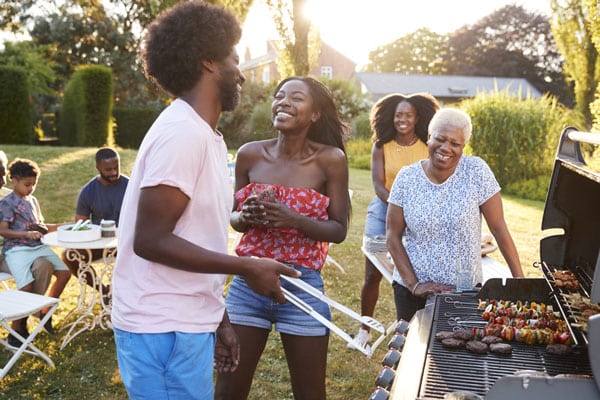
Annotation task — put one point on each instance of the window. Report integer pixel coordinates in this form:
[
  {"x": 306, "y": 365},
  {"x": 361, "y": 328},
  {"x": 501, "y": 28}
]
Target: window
[
  {"x": 266, "y": 76},
  {"x": 327, "y": 71}
]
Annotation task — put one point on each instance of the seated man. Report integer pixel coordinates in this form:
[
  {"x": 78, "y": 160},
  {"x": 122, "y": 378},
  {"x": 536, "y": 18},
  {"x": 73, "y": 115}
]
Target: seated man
[{"x": 100, "y": 199}]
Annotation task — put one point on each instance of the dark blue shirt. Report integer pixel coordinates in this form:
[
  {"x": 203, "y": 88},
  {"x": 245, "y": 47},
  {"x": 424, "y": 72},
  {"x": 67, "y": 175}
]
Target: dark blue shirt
[{"x": 99, "y": 202}]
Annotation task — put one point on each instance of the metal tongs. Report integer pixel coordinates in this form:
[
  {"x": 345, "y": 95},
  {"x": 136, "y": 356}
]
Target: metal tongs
[
  {"x": 80, "y": 224},
  {"x": 303, "y": 306}
]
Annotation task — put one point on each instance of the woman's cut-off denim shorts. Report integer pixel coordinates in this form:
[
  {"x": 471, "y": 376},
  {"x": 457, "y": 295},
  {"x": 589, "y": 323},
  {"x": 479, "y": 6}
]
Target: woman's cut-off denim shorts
[
  {"x": 376, "y": 214},
  {"x": 247, "y": 308}
]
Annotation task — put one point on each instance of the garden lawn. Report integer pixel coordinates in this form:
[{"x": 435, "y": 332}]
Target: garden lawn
[{"x": 87, "y": 367}]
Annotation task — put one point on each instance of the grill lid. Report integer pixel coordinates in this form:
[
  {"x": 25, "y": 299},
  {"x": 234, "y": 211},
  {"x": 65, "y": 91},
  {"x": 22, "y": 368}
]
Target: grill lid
[{"x": 573, "y": 206}]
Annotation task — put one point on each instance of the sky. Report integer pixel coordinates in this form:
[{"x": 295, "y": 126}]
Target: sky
[{"x": 356, "y": 27}]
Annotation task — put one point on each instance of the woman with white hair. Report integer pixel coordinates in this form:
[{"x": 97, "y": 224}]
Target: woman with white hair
[{"x": 437, "y": 204}]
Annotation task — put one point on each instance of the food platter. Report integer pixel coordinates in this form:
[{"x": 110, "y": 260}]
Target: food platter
[{"x": 83, "y": 233}]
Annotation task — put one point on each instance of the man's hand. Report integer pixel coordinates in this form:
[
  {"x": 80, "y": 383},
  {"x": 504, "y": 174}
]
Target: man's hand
[
  {"x": 263, "y": 277},
  {"x": 227, "y": 348}
]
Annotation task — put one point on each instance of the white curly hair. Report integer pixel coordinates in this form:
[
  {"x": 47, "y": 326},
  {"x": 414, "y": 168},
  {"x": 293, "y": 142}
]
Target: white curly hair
[{"x": 452, "y": 118}]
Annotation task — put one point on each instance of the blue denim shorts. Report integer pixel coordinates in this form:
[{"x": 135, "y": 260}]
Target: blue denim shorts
[
  {"x": 171, "y": 365},
  {"x": 247, "y": 308},
  {"x": 376, "y": 214}
]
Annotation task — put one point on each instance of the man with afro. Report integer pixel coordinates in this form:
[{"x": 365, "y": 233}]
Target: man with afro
[{"x": 168, "y": 311}]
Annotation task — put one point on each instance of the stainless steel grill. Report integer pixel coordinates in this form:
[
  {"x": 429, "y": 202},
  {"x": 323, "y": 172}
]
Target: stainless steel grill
[
  {"x": 426, "y": 370},
  {"x": 454, "y": 370}
]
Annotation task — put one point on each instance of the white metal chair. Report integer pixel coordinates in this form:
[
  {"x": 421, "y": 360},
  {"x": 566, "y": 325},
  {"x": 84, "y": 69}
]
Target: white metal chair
[{"x": 16, "y": 304}]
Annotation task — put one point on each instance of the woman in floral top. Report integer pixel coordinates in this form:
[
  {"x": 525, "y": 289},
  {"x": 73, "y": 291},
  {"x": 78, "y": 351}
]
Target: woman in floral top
[
  {"x": 437, "y": 203},
  {"x": 22, "y": 226},
  {"x": 291, "y": 201}
]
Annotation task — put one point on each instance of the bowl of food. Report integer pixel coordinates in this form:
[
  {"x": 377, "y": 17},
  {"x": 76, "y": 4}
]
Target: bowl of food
[{"x": 79, "y": 232}]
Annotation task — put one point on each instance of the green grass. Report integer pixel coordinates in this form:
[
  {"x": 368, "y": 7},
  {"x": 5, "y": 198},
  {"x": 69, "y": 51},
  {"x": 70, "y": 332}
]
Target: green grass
[{"x": 87, "y": 367}]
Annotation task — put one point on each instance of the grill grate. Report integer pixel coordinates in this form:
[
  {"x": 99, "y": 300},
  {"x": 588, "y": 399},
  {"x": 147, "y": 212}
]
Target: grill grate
[
  {"x": 454, "y": 370},
  {"x": 570, "y": 313}
]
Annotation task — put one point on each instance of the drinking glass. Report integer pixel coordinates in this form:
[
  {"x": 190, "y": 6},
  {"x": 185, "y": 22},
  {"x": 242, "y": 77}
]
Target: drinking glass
[{"x": 464, "y": 276}]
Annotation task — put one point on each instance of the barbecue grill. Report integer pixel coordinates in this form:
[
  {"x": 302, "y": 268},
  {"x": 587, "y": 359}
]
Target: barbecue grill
[{"x": 426, "y": 370}]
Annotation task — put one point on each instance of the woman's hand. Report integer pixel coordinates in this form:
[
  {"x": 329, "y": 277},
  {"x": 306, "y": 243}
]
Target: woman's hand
[
  {"x": 426, "y": 289},
  {"x": 278, "y": 215},
  {"x": 253, "y": 211}
]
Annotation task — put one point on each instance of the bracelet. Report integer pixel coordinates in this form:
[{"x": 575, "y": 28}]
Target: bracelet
[{"x": 415, "y": 288}]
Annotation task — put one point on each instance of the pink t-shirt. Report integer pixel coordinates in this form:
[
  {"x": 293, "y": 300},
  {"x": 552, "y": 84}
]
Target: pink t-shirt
[
  {"x": 285, "y": 245},
  {"x": 180, "y": 150}
]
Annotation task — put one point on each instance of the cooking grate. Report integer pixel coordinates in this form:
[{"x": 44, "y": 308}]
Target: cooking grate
[
  {"x": 455, "y": 370},
  {"x": 571, "y": 313}
]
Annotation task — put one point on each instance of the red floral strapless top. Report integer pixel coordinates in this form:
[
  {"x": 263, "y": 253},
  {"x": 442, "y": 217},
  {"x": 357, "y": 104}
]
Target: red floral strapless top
[{"x": 286, "y": 245}]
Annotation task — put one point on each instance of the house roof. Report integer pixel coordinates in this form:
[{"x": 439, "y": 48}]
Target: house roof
[
  {"x": 443, "y": 86},
  {"x": 256, "y": 62}
]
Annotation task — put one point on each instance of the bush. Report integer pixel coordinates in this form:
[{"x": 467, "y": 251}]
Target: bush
[
  {"x": 532, "y": 189},
  {"x": 347, "y": 97},
  {"x": 132, "y": 123},
  {"x": 85, "y": 114},
  {"x": 261, "y": 124},
  {"x": 359, "y": 153},
  {"x": 235, "y": 125},
  {"x": 517, "y": 138},
  {"x": 16, "y": 111},
  {"x": 361, "y": 126}
]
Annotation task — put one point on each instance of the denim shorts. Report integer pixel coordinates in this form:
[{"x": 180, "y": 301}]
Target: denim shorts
[
  {"x": 376, "y": 214},
  {"x": 247, "y": 308},
  {"x": 171, "y": 365}
]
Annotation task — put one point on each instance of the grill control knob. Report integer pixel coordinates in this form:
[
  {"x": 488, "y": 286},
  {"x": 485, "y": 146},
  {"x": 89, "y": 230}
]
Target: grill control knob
[
  {"x": 385, "y": 378},
  {"x": 397, "y": 342},
  {"x": 379, "y": 394},
  {"x": 402, "y": 327},
  {"x": 391, "y": 359}
]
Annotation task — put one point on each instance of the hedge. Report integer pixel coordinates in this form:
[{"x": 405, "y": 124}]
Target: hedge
[
  {"x": 86, "y": 109},
  {"x": 517, "y": 138},
  {"x": 132, "y": 123},
  {"x": 16, "y": 111}
]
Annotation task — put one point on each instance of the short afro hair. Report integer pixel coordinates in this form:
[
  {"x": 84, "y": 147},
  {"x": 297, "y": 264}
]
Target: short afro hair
[
  {"x": 452, "y": 118},
  {"x": 181, "y": 38},
  {"x": 23, "y": 168},
  {"x": 106, "y": 153}
]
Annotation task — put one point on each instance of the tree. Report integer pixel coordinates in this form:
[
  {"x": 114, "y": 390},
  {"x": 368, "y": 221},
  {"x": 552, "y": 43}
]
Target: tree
[
  {"x": 293, "y": 27},
  {"x": 41, "y": 76},
  {"x": 420, "y": 52},
  {"x": 571, "y": 27},
  {"x": 510, "y": 42},
  {"x": 33, "y": 60},
  {"x": 78, "y": 36},
  {"x": 77, "y": 32}
]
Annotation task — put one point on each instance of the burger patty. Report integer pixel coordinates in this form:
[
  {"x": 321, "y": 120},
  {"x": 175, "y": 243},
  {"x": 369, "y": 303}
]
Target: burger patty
[
  {"x": 558, "y": 349},
  {"x": 475, "y": 346},
  {"x": 501, "y": 348},
  {"x": 453, "y": 343},
  {"x": 441, "y": 335},
  {"x": 491, "y": 339},
  {"x": 463, "y": 334}
]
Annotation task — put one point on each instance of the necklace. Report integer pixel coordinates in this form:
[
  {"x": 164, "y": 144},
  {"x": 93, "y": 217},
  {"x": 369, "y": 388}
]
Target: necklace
[{"x": 399, "y": 146}]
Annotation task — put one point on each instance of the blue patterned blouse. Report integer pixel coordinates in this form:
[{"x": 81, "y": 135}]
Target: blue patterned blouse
[{"x": 443, "y": 221}]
